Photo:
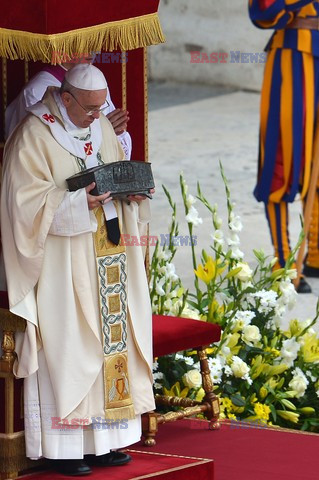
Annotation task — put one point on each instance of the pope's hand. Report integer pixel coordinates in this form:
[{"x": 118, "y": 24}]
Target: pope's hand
[
  {"x": 118, "y": 119},
  {"x": 95, "y": 201},
  {"x": 139, "y": 198}
]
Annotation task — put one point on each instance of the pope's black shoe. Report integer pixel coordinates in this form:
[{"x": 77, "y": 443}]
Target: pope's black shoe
[
  {"x": 112, "y": 459},
  {"x": 311, "y": 271},
  {"x": 73, "y": 468},
  {"x": 303, "y": 286}
]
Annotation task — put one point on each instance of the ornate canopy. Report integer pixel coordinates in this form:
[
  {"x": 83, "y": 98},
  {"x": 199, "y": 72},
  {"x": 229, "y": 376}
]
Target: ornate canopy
[{"x": 37, "y": 29}]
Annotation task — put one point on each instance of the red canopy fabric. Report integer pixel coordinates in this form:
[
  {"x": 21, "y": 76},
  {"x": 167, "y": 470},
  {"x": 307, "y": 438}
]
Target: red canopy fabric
[{"x": 34, "y": 29}]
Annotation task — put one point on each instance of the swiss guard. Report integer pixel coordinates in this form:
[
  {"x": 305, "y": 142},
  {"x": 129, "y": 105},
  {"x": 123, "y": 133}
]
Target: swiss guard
[{"x": 289, "y": 103}]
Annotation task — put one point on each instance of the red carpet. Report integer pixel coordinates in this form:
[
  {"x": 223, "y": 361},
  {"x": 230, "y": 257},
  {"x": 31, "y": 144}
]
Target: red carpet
[
  {"x": 243, "y": 453},
  {"x": 145, "y": 465}
]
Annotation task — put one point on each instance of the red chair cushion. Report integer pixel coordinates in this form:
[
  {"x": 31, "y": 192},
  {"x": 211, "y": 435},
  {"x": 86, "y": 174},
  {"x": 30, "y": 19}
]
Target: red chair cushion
[
  {"x": 4, "y": 301},
  {"x": 175, "y": 334}
]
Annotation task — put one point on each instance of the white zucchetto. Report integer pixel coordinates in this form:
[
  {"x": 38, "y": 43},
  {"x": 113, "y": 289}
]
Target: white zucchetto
[{"x": 86, "y": 77}]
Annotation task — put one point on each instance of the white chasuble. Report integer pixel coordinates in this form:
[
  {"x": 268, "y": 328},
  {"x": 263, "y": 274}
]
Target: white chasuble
[{"x": 62, "y": 353}]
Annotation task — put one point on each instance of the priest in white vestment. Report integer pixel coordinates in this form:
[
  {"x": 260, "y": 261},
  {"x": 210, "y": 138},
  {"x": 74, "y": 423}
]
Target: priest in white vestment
[{"x": 86, "y": 354}]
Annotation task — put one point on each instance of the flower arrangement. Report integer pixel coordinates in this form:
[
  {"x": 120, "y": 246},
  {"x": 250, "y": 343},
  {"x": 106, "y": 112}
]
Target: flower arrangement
[{"x": 262, "y": 371}]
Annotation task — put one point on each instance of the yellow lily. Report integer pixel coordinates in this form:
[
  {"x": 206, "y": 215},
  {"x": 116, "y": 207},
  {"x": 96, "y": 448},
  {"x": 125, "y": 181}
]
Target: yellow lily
[
  {"x": 310, "y": 348},
  {"x": 207, "y": 272},
  {"x": 290, "y": 416}
]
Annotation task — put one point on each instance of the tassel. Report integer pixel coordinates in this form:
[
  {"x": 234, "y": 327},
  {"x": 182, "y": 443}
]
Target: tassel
[{"x": 122, "y": 35}]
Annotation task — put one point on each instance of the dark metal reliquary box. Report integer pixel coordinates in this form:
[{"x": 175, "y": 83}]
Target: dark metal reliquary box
[{"x": 120, "y": 178}]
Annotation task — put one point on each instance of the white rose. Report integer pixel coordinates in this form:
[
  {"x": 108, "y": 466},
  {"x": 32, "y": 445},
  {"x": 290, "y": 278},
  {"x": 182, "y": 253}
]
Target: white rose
[
  {"x": 239, "y": 367},
  {"x": 192, "y": 379},
  {"x": 245, "y": 273},
  {"x": 251, "y": 335},
  {"x": 299, "y": 382}
]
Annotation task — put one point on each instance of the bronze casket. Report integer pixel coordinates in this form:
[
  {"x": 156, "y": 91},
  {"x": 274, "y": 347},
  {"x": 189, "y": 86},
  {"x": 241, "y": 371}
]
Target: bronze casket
[{"x": 120, "y": 178}]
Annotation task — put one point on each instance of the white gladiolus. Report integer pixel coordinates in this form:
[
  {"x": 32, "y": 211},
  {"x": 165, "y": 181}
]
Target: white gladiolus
[
  {"x": 235, "y": 224},
  {"x": 190, "y": 200},
  {"x": 218, "y": 237},
  {"x": 289, "y": 294},
  {"x": 170, "y": 272},
  {"x": 159, "y": 287},
  {"x": 233, "y": 239},
  {"x": 289, "y": 351},
  {"x": 193, "y": 217},
  {"x": 163, "y": 255},
  {"x": 236, "y": 254}
]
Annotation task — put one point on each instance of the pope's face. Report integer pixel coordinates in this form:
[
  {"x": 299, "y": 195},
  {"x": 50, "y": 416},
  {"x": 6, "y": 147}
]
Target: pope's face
[{"x": 81, "y": 102}]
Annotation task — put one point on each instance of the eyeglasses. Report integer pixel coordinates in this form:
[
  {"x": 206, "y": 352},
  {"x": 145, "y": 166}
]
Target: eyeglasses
[{"x": 91, "y": 112}]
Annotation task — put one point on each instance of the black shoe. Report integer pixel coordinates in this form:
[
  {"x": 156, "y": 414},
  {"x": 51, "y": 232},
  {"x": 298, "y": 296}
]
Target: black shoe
[
  {"x": 73, "y": 468},
  {"x": 303, "y": 286},
  {"x": 112, "y": 459},
  {"x": 311, "y": 271}
]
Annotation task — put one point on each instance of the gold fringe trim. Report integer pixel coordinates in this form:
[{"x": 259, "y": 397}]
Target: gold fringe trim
[
  {"x": 121, "y": 413},
  {"x": 124, "y": 35}
]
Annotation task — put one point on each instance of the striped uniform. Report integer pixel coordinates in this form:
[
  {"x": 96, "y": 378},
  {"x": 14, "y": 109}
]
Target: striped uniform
[{"x": 289, "y": 101}]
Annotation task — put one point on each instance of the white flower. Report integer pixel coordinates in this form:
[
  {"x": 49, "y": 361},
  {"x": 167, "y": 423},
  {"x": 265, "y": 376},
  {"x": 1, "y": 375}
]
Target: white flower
[
  {"x": 236, "y": 254},
  {"x": 312, "y": 377},
  {"x": 268, "y": 300},
  {"x": 170, "y": 272},
  {"x": 190, "y": 200},
  {"x": 168, "y": 304},
  {"x": 292, "y": 274},
  {"x": 192, "y": 217},
  {"x": 218, "y": 237},
  {"x": 190, "y": 313},
  {"x": 192, "y": 379},
  {"x": 299, "y": 382},
  {"x": 289, "y": 351},
  {"x": 239, "y": 367},
  {"x": 189, "y": 361},
  {"x": 228, "y": 371},
  {"x": 163, "y": 255},
  {"x": 242, "y": 318},
  {"x": 251, "y": 335},
  {"x": 159, "y": 287},
  {"x": 233, "y": 239},
  {"x": 216, "y": 366},
  {"x": 217, "y": 220},
  {"x": 157, "y": 386},
  {"x": 158, "y": 375},
  {"x": 289, "y": 294},
  {"x": 235, "y": 224},
  {"x": 245, "y": 273},
  {"x": 155, "y": 365},
  {"x": 161, "y": 270},
  {"x": 317, "y": 393}
]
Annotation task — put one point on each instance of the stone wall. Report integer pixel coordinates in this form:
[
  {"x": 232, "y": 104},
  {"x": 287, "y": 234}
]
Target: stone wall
[{"x": 222, "y": 27}]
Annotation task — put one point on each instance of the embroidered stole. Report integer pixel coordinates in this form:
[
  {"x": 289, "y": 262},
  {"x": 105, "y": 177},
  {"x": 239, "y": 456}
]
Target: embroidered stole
[{"x": 112, "y": 286}]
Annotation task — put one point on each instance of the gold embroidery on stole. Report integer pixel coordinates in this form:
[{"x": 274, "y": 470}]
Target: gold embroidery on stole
[{"x": 112, "y": 278}]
